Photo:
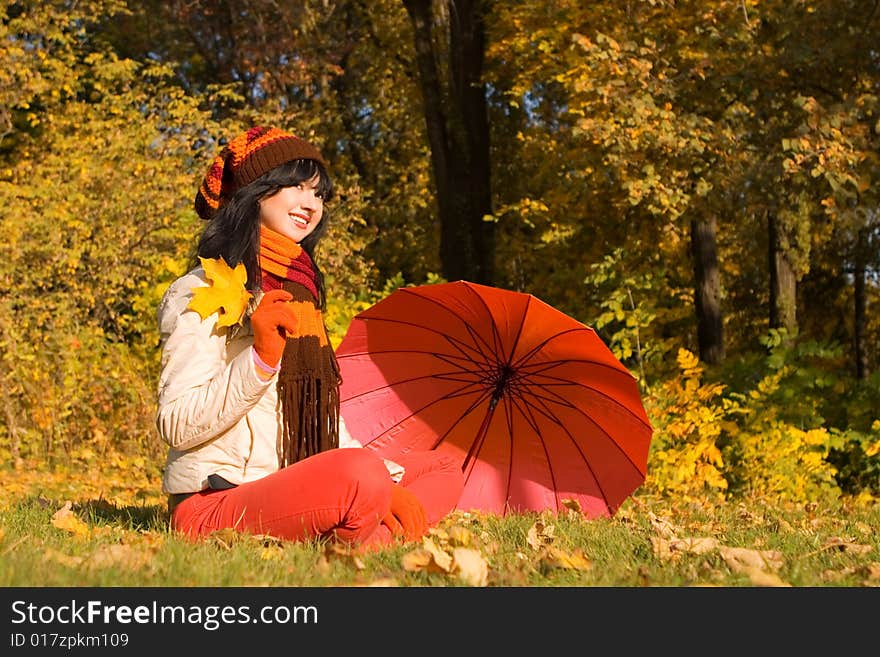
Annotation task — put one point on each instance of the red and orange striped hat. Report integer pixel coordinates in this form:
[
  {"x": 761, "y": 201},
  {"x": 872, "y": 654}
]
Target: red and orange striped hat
[{"x": 246, "y": 158}]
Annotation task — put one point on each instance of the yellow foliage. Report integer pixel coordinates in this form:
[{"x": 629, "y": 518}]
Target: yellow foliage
[
  {"x": 688, "y": 418},
  {"x": 774, "y": 458}
]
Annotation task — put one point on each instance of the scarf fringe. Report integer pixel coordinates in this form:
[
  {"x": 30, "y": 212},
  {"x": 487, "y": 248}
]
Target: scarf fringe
[{"x": 310, "y": 409}]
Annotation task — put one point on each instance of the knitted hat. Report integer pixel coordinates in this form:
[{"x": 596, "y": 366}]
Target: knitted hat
[{"x": 246, "y": 158}]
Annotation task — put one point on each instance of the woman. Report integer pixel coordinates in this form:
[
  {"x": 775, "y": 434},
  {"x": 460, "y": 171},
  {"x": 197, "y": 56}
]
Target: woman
[{"x": 249, "y": 405}]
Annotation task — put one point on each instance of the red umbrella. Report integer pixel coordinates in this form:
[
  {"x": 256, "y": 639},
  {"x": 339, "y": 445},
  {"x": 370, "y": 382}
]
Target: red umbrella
[{"x": 531, "y": 401}]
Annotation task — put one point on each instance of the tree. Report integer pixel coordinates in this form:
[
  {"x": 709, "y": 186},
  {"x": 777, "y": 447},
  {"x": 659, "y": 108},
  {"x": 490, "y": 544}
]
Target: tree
[{"x": 449, "y": 53}]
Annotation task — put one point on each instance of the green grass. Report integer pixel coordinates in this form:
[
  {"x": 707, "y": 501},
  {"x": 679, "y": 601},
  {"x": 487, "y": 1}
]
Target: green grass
[{"x": 131, "y": 546}]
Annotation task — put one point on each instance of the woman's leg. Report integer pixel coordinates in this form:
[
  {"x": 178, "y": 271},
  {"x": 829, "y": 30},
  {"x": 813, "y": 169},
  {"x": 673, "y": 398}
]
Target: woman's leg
[
  {"x": 436, "y": 479},
  {"x": 341, "y": 493}
]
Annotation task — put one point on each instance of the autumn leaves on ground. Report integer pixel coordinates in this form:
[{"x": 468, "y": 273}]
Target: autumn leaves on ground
[{"x": 82, "y": 526}]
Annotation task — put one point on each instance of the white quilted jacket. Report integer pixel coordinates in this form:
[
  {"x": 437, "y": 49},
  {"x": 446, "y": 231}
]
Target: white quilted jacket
[{"x": 217, "y": 415}]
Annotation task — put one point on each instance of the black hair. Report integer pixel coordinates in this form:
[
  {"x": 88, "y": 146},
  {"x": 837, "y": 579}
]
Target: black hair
[{"x": 234, "y": 230}]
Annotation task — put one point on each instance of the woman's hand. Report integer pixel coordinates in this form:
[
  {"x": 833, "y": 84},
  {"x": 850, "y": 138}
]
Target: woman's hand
[
  {"x": 407, "y": 515},
  {"x": 272, "y": 320}
]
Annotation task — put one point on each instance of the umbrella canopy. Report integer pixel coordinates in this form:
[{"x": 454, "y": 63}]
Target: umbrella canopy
[{"x": 531, "y": 401}]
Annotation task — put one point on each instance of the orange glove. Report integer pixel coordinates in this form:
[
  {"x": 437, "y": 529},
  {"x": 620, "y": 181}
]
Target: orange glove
[
  {"x": 407, "y": 515},
  {"x": 272, "y": 320}
]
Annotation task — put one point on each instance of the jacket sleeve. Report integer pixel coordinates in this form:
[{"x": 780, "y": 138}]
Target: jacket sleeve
[{"x": 202, "y": 393}]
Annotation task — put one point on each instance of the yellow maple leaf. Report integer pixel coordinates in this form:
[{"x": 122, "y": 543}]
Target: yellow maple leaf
[
  {"x": 226, "y": 295},
  {"x": 65, "y": 519}
]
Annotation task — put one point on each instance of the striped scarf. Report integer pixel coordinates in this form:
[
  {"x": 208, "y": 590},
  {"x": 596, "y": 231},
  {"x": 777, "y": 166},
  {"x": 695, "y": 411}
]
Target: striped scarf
[{"x": 308, "y": 382}]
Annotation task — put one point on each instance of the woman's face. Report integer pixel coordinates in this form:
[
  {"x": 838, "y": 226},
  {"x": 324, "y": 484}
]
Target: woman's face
[{"x": 293, "y": 211}]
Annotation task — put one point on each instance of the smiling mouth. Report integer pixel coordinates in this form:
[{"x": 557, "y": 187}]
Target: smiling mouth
[{"x": 299, "y": 221}]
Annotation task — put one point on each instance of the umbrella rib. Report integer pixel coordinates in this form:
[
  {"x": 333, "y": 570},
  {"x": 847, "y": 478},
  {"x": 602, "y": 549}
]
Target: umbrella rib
[
  {"x": 553, "y": 396},
  {"x": 470, "y": 458},
  {"x": 464, "y": 413},
  {"x": 547, "y": 340},
  {"x": 510, "y": 403},
  {"x": 446, "y": 376},
  {"x": 493, "y": 348},
  {"x": 482, "y": 367},
  {"x": 546, "y": 381},
  {"x": 479, "y": 400},
  {"x": 459, "y": 362},
  {"x": 533, "y": 423},
  {"x": 578, "y": 410},
  {"x": 458, "y": 317},
  {"x": 470, "y": 353},
  {"x": 536, "y": 427},
  {"x": 508, "y": 416},
  {"x": 539, "y": 367}
]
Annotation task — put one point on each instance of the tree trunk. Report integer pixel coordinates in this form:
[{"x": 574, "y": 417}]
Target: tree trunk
[
  {"x": 456, "y": 118},
  {"x": 860, "y": 319},
  {"x": 783, "y": 281},
  {"x": 707, "y": 290}
]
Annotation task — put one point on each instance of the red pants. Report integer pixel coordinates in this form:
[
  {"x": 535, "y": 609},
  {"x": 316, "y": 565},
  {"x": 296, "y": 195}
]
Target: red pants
[{"x": 341, "y": 494}]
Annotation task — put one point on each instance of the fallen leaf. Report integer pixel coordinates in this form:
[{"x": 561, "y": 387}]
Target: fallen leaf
[
  {"x": 844, "y": 545},
  {"x": 864, "y": 528},
  {"x": 226, "y": 537},
  {"x": 744, "y": 513},
  {"x": 660, "y": 547},
  {"x": 440, "y": 534},
  {"x": 64, "y": 559},
  {"x": 271, "y": 553},
  {"x": 470, "y": 566},
  {"x": 119, "y": 555},
  {"x": 459, "y": 536},
  {"x": 662, "y": 526},
  {"x": 540, "y": 534},
  {"x": 429, "y": 558},
  {"x": 65, "y": 519},
  {"x": 152, "y": 539},
  {"x": 760, "y": 577},
  {"x": 575, "y": 512},
  {"x": 694, "y": 545},
  {"x": 830, "y": 575},
  {"x": 384, "y": 582},
  {"x": 416, "y": 560},
  {"x": 421, "y": 559},
  {"x": 557, "y": 558},
  {"x": 225, "y": 295},
  {"x": 740, "y": 559},
  {"x": 338, "y": 552},
  {"x": 441, "y": 558}
]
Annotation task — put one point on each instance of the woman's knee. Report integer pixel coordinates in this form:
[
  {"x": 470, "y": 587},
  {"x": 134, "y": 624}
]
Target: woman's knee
[
  {"x": 368, "y": 480},
  {"x": 449, "y": 467},
  {"x": 448, "y": 463},
  {"x": 359, "y": 464}
]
